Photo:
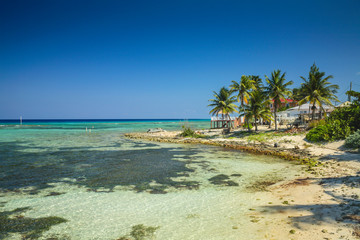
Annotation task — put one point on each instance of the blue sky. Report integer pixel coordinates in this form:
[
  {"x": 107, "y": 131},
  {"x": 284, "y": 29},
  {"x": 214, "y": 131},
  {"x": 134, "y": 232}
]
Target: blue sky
[{"x": 163, "y": 59}]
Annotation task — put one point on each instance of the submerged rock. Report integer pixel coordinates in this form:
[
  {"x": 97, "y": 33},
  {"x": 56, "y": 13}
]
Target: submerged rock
[
  {"x": 222, "y": 179},
  {"x": 29, "y": 228}
]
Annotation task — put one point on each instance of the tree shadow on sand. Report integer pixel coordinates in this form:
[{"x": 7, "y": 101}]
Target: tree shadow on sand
[{"x": 345, "y": 209}]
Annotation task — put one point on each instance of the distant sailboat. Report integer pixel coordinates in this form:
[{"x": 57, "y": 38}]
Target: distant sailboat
[{"x": 20, "y": 120}]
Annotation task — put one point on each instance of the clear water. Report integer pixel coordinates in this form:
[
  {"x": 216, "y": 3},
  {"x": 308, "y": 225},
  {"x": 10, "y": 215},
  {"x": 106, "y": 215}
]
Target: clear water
[{"x": 102, "y": 184}]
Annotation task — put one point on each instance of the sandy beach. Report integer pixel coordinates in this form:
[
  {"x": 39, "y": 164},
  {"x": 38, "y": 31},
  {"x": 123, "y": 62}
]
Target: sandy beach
[{"x": 321, "y": 203}]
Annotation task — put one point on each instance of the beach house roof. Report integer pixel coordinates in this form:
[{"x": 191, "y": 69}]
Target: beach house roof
[
  {"x": 305, "y": 107},
  {"x": 284, "y": 100},
  {"x": 344, "y": 104}
]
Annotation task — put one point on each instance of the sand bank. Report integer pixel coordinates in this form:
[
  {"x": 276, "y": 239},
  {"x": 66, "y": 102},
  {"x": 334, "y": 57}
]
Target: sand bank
[{"x": 322, "y": 203}]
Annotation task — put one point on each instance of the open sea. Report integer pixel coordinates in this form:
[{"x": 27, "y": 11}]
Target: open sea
[{"x": 59, "y": 181}]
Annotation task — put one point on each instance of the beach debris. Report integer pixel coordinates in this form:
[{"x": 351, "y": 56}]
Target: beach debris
[
  {"x": 276, "y": 145},
  {"x": 155, "y": 130}
]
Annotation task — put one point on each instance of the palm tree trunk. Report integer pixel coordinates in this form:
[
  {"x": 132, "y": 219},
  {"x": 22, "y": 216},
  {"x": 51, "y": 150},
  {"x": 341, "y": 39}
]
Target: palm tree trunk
[
  {"x": 320, "y": 113},
  {"x": 256, "y": 124},
  {"x": 313, "y": 112},
  {"x": 275, "y": 109},
  {"x": 242, "y": 106}
]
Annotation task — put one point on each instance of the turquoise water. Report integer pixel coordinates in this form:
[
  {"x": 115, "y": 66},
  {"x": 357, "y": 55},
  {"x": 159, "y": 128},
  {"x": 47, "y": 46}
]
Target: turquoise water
[{"x": 101, "y": 184}]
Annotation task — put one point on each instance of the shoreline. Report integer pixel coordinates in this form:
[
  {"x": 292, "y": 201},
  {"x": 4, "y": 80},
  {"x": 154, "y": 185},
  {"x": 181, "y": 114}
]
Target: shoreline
[{"x": 322, "y": 202}]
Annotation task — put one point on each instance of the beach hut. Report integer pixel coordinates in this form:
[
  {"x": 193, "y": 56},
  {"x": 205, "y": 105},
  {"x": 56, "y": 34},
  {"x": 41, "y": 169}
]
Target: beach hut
[{"x": 223, "y": 121}]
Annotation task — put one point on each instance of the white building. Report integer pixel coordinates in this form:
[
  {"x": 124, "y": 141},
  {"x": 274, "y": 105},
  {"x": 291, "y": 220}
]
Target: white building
[{"x": 293, "y": 113}]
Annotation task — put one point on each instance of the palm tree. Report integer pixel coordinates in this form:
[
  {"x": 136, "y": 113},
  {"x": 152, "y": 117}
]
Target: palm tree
[
  {"x": 298, "y": 94},
  {"x": 277, "y": 89},
  {"x": 257, "y": 81},
  {"x": 257, "y": 107},
  {"x": 243, "y": 89},
  {"x": 317, "y": 90},
  {"x": 223, "y": 103}
]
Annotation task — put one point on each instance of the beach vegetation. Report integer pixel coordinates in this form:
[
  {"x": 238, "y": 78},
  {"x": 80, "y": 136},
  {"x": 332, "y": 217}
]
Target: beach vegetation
[
  {"x": 354, "y": 94},
  {"x": 243, "y": 90},
  {"x": 315, "y": 123},
  {"x": 277, "y": 89},
  {"x": 247, "y": 126},
  {"x": 353, "y": 141},
  {"x": 257, "y": 81},
  {"x": 257, "y": 108},
  {"x": 338, "y": 125},
  {"x": 333, "y": 130},
  {"x": 188, "y": 132},
  {"x": 317, "y": 90}
]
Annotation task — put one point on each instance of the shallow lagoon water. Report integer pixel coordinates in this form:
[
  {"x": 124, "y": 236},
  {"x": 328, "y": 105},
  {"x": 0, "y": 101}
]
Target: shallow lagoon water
[{"x": 103, "y": 184}]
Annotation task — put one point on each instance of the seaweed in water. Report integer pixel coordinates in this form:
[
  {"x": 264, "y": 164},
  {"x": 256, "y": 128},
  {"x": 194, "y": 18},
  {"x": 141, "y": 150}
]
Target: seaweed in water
[
  {"x": 222, "y": 179},
  {"x": 262, "y": 185},
  {"x": 29, "y": 228},
  {"x": 140, "y": 232}
]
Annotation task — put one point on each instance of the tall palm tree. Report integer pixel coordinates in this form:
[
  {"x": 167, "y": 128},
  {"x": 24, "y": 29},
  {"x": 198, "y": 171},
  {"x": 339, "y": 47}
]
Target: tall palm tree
[
  {"x": 257, "y": 107},
  {"x": 298, "y": 94},
  {"x": 317, "y": 90},
  {"x": 277, "y": 89},
  {"x": 257, "y": 81},
  {"x": 223, "y": 103},
  {"x": 243, "y": 89}
]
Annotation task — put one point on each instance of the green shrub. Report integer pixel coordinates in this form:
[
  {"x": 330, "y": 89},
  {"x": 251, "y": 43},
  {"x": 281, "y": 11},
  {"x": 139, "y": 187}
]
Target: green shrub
[
  {"x": 188, "y": 132},
  {"x": 353, "y": 141},
  {"x": 245, "y": 126},
  {"x": 315, "y": 123},
  {"x": 338, "y": 129},
  {"x": 334, "y": 130},
  {"x": 350, "y": 115},
  {"x": 318, "y": 134},
  {"x": 339, "y": 125}
]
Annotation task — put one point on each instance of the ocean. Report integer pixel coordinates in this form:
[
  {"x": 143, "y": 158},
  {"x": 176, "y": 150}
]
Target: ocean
[{"x": 82, "y": 179}]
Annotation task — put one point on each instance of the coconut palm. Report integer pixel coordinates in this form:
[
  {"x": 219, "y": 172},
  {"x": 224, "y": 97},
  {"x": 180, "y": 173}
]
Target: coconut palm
[
  {"x": 257, "y": 108},
  {"x": 223, "y": 103},
  {"x": 257, "y": 81},
  {"x": 242, "y": 89},
  {"x": 317, "y": 90},
  {"x": 277, "y": 89}
]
